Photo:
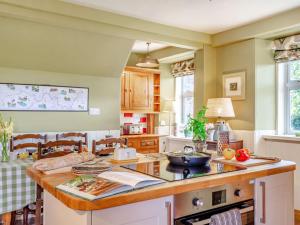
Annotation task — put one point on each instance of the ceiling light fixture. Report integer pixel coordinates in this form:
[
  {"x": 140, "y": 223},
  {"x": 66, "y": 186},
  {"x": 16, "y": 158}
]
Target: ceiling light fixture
[{"x": 147, "y": 61}]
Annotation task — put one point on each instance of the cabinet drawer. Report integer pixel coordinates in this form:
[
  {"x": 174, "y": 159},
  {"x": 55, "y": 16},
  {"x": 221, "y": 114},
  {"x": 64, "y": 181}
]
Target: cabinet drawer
[
  {"x": 133, "y": 143},
  {"x": 149, "y": 142}
]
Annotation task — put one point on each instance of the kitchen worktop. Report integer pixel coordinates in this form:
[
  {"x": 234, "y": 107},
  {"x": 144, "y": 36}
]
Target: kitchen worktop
[
  {"x": 142, "y": 135},
  {"x": 49, "y": 182}
]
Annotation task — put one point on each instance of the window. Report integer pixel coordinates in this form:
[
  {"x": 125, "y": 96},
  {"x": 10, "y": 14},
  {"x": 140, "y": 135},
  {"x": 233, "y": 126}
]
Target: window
[
  {"x": 292, "y": 96},
  {"x": 184, "y": 100}
]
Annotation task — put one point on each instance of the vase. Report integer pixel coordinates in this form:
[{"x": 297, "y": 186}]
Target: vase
[
  {"x": 5, "y": 149},
  {"x": 200, "y": 146}
]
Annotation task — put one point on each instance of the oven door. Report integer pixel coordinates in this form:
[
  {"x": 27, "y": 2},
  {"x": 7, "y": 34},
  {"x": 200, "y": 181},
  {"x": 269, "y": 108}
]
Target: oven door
[{"x": 203, "y": 218}]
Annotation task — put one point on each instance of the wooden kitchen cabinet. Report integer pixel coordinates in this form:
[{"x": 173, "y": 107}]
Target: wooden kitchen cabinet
[
  {"x": 274, "y": 200},
  {"x": 140, "y": 90},
  {"x": 125, "y": 90},
  {"x": 234, "y": 144},
  {"x": 144, "y": 145}
]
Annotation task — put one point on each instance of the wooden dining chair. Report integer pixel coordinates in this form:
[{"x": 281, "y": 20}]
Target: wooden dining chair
[
  {"x": 48, "y": 150},
  {"x": 73, "y": 136},
  {"x": 107, "y": 145},
  {"x": 19, "y": 142},
  {"x": 24, "y": 141}
]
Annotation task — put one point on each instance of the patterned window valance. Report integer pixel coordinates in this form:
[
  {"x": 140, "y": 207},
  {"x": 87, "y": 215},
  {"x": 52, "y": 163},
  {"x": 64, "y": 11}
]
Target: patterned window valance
[
  {"x": 287, "y": 49},
  {"x": 183, "y": 68}
]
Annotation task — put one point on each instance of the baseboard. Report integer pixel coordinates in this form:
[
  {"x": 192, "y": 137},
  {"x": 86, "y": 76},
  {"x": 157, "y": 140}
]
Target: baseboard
[{"x": 297, "y": 215}]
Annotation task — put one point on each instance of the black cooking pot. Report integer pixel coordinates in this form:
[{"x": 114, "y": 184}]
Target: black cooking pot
[
  {"x": 188, "y": 172},
  {"x": 188, "y": 158}
]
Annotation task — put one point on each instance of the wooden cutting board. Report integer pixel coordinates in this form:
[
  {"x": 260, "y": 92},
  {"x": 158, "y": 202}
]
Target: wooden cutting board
[{"x": 253, "y": 161}]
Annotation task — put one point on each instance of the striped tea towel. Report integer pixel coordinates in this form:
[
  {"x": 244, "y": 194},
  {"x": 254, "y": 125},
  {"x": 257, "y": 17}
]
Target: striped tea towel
[{"x": 231, "y": 217}]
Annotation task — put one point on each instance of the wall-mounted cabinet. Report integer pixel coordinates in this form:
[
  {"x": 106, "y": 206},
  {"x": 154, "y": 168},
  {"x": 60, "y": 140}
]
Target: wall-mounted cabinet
[{"x": 140, "y": 90}]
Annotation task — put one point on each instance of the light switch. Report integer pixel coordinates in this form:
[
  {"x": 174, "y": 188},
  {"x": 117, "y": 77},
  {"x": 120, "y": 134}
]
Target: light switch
[{"x": 94, "y": 111}]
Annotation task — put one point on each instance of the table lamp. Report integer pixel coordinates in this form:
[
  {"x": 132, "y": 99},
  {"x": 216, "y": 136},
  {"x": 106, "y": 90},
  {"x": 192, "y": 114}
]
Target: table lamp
[
  {"x": 169, "y": 107},
  {"x": 219, "y": 108}
]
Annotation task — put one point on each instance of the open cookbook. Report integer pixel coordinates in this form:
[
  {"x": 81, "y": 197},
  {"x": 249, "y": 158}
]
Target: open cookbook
[{"x": 106, "y": 184}]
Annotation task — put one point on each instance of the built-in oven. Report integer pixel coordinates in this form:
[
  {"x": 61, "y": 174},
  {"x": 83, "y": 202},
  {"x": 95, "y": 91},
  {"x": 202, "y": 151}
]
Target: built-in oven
[{"x": 197, "y": 207}]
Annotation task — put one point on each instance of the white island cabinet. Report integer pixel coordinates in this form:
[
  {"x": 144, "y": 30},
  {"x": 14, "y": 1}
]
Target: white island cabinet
[
  {"x": 274, "y": 200},
  {"x": 152, "y": 212}
]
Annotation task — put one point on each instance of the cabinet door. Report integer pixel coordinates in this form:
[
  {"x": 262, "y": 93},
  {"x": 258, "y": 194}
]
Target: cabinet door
[
  {"x": 125, "y": 91},
  {"x": 141, "y": 93},
  {"x": 152, "y": 212},
  {"x": 274, "y": 200}
]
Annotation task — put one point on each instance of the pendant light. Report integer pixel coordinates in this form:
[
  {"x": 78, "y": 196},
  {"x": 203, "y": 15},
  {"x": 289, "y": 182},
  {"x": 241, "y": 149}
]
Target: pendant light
[{"x": 148, "y": 62}]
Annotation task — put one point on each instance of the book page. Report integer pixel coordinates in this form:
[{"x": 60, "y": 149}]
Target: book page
[
  {"x": 132, "y": 179},
  {"x": 92, "y": 188}
]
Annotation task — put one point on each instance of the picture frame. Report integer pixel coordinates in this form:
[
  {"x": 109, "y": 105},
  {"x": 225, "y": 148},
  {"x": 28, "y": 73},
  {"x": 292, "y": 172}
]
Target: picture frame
[
  {"x": 43, "y": 98},
  {"x": 234, "y": 85}
]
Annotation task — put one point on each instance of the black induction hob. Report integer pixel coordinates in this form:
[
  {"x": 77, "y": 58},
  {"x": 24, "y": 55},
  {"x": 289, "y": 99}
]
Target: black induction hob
[{"x": 164, "y": 170}]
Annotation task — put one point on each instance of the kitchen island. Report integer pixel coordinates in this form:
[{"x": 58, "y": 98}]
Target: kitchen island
[{"x": 153, "y": 205}]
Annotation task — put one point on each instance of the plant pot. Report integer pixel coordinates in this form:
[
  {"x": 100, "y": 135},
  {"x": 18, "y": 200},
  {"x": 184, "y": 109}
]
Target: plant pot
[{"x": 200, "y": 146}]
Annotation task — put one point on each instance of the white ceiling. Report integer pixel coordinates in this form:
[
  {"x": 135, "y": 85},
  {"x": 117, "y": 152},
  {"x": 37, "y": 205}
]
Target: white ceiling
[
  {"x": 209, "y": 16},
  {"x": 141, "y": 47}
]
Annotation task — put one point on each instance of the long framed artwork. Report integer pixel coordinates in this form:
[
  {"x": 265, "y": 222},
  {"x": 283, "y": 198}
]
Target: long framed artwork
[
  {"x": 234, "y": 85},
  {"x": 31, "y": 97}
]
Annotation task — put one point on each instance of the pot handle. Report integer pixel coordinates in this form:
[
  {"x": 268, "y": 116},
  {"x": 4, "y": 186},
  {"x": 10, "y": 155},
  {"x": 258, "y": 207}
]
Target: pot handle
[
  {"x": 188, "y": 148},
  {"x": 185, "y": 160},
  {"x": 186, "y": 172}
]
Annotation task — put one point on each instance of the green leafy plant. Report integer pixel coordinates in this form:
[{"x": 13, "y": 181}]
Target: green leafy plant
[{"x": 197, "y": 125}]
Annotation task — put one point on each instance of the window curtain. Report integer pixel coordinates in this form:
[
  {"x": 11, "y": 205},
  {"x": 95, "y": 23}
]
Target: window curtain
[
  {"x": 183, "y": 68},
  {"x": 287, "y": 49}
]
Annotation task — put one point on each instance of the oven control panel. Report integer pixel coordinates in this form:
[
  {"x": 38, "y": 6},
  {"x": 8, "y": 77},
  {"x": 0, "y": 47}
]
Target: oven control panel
[{"x": 206, "y": 199}]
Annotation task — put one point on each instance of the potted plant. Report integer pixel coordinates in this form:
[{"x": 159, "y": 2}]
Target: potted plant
[
  {"x": 6, "y": 130},
  {"x": 197, "y": 126}
]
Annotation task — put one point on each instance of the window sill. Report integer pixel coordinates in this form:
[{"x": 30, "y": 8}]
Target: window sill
[
  {"x": 179, "y": 138},
  {"x": 282, "y": 138}
]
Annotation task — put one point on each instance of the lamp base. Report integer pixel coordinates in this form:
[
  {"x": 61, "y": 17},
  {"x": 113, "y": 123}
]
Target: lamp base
[{"x": 220, "y": 126}]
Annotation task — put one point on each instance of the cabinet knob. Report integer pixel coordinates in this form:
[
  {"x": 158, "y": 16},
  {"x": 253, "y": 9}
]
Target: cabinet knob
[
  {"x": 197, "y": 202},
  {"x": 237, "y": 192}
]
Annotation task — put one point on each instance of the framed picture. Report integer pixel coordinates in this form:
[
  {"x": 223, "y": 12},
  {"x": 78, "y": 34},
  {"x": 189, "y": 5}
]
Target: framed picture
[
  {"x": 34, "y": 97},
  {"x": 234, "y": 85}
]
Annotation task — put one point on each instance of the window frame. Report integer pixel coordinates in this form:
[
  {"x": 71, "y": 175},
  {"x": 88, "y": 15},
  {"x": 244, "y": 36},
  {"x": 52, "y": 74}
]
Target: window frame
[
  {"x": 181, "y": 96},
  {"x": 289, "y": 86}
]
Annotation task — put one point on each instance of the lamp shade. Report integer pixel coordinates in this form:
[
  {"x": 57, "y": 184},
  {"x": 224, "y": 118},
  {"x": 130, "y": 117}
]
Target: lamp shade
[
  {"x": 168, "y": 106},
  {"x": 148, "y": 62},
  {"x": 219, "y": 107}
]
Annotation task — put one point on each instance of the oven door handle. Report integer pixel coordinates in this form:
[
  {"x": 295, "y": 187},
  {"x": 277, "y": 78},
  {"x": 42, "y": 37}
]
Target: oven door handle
[{"x": 207, "y": 221}]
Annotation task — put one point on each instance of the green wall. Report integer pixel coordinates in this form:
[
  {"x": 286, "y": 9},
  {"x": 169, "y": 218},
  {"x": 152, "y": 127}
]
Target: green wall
[
  {"x": 167, "y": 90},
  {"x": 257, "y": 111},
  {"x": 265, "y": 86},
  {"x": 237, "y": 57},
  {"x": 205, "y": 76},
  {"x": 104, "y": 94},
  {"x": 36, "y": 46}
]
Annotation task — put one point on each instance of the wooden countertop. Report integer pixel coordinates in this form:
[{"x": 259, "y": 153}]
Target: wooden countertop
[
  {"x": 49, "y": 182},
  {"x": 141, "y": 135}
]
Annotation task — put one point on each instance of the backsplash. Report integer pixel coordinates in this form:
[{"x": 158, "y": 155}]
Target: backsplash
[{"x": 134, "y": 118}]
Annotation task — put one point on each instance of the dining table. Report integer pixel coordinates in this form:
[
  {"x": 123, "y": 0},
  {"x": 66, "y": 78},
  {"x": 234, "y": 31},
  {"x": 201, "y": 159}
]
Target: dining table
[{"x": 17, "y": 190}]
